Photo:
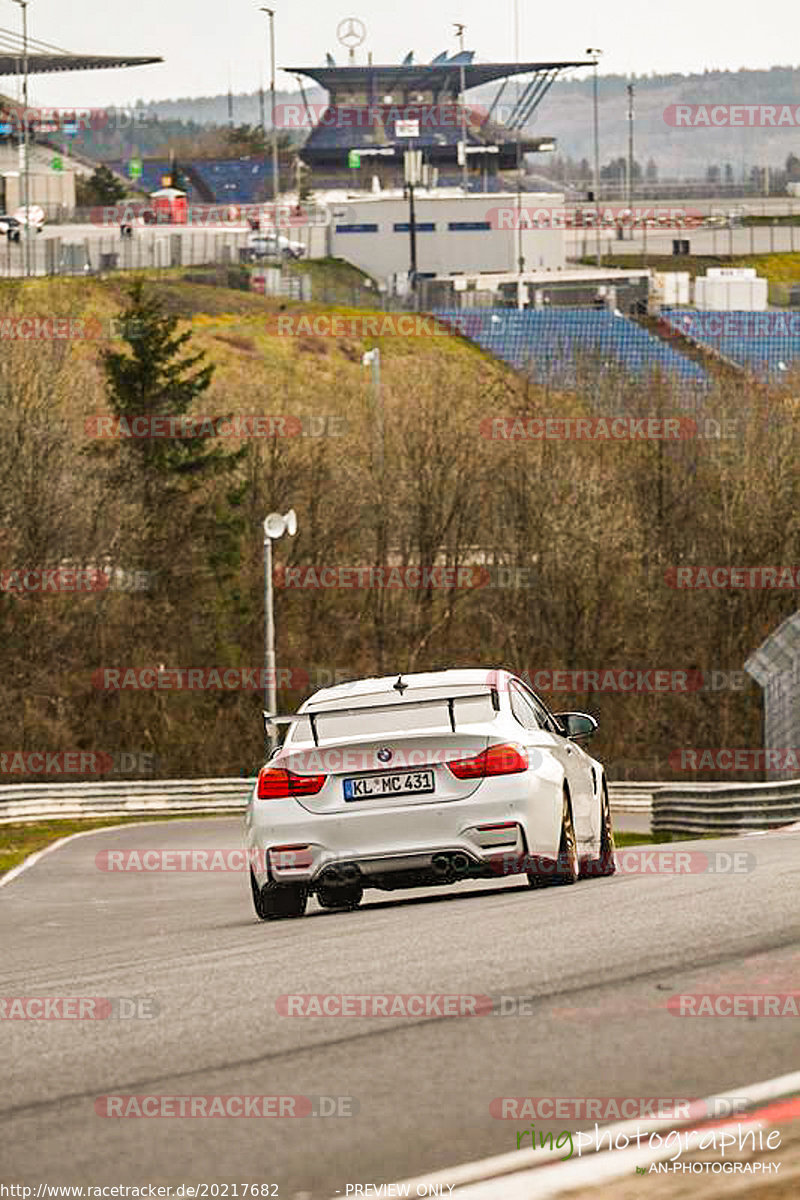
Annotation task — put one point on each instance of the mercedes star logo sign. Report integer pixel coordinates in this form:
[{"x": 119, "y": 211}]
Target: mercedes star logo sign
[
  {"x": 351, "y": 32},
  {"x": 384, "y": 754}
]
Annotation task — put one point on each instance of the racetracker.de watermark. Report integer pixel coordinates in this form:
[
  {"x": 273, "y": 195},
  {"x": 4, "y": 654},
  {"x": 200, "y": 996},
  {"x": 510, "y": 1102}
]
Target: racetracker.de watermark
[
  {"x": 637, "y": 860},
  {"x": 75, "y": 120},
  {"x": 154, "y": 1105},
  {"x": 736, "y": 116},
  {"x": 78, "y": 1008},
  {"x": 265, "y": 217},
  {"x": 53, "y": 580},
  {"x": 734, "y": 1004},
  {"x": 515, "y": 217},
  {"x": 368, "y": 116},
  {"x": 614, "y": 1108},
  {"x": 61, "y": 762},
  {"x": 153, "y": 427},
  {"x": 339, "y": 325},
  {"x": 605, "y": 429},
  {"x": 622, "y": 680},
  {"x": 724, "y": 578},
  {"x": 709, "y": 326},
  {"x": 196, "y": 679},
  {"x": 401, "y": 578},
  {"x": 739, "y": 758},
  {"x": 171, "y": 862}
]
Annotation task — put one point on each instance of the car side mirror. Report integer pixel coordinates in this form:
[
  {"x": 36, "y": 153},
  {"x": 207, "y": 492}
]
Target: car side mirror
[{"x": 577, "y": 726}]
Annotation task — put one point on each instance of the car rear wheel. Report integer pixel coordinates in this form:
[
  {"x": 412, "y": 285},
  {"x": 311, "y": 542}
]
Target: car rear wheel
[
  {"x": 276, "y": 900},
  {"x": 340, "y": 897},
  {"x": 566, "y": 868},
  {"x": 604, "y": 864}
]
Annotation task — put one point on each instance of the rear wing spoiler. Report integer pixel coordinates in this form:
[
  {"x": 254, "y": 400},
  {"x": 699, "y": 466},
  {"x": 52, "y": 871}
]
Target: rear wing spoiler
[{"x": 271, "y": 723}]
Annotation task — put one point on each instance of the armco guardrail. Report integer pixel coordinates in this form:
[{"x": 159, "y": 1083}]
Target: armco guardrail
[
  {"x": 46, "y": 801},
  {"x": 675, "y": 807},
  {"x": 725, "y": 808}
]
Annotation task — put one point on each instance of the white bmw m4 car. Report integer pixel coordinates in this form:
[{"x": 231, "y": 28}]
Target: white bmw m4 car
[{"x": 423, "y": 779}]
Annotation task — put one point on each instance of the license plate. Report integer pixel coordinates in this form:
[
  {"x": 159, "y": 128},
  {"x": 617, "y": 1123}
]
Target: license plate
[{"x": 406, "y": 783}]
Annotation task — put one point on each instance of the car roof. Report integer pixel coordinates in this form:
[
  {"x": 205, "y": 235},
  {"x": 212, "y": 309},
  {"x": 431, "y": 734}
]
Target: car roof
[{"x": 453, "y": 681}]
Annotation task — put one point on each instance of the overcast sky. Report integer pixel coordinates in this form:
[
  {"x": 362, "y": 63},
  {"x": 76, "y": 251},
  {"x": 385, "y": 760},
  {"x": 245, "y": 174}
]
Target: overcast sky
[{"x": 206, "y": 44}]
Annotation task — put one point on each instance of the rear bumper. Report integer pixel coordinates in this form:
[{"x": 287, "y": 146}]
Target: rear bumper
[{"x": 404, "y": 846}]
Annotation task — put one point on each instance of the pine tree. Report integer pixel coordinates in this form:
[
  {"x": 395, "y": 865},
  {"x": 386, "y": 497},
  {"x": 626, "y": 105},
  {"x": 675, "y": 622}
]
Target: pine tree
[{"x": 154, "y": 375}]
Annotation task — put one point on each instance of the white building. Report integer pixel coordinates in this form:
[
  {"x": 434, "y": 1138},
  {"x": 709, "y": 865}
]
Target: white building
[{"x": 455, "y": 234}]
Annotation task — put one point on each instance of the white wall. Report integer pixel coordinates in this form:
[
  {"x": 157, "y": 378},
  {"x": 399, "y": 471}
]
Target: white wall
[{"x": 386, "y": 252}]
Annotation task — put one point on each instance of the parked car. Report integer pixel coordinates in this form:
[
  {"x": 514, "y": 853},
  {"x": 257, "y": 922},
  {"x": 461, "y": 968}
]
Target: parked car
[{"x": 271, "y": 245}]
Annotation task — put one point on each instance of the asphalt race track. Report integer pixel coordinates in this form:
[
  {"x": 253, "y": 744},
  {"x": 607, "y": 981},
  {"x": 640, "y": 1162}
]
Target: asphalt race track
[{"x": 597, "y": 962}]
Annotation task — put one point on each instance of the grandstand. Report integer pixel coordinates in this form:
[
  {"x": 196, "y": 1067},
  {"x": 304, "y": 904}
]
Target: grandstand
[
  {"x": 381, "y": 111},
  {"x": 767, "y": 344},
  {"x": 210, "y": 181},
  {"x": 551, "y": 345}
]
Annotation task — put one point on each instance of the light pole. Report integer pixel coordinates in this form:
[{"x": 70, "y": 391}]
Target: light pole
[
  {"x": 630, "y": 144},
  {"x": 275, "y": 180},
  {"x": 26, "y": 200},
  {"x": 464, "y": 168},
  {"x": 275, "y": 526},
  {"x": 593, "y": 50},
  {"x": 372, "y": 358}
]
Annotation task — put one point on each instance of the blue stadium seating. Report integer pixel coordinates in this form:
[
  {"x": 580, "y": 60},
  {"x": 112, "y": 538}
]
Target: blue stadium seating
[
  {"x": 765, "y": 343},
  {"x": 549, "y": 344},
  {"x": 235, "y": 181}
]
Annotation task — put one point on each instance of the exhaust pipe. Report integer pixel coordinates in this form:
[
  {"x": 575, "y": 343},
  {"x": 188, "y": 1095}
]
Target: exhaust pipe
[
  {"x": 460, "y": 862},
  {"x": 350, "y": 873},
  {"x": 440, "y": 864},
  {"x": 332, "y": 874}
]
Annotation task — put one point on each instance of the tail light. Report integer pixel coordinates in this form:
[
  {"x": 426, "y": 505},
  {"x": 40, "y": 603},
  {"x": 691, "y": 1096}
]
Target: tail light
[
  {"x": 506, "y": 759},
  {"x": 276, "y": 783}
]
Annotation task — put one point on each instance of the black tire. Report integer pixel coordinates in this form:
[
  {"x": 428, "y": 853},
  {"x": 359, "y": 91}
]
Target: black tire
[
  {"x": 349, "y": 896},
  {"x": 604, "y": 864},
  {"x": 274, "y": 901},
  {"x": 567, "y": 866},
  {"x": 566, "y": 869}
]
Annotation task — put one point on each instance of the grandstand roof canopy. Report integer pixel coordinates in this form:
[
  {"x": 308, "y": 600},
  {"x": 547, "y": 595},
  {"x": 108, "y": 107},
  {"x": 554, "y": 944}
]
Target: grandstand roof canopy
[
  {"x": 47, "y": 64},
  {"x": 428, "y": 75}
]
